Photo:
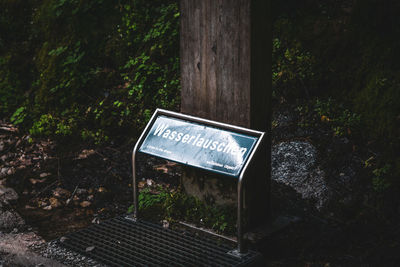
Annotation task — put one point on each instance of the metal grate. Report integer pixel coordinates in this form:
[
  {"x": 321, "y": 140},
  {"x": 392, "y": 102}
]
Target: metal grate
[{"x": 124, "y": 242}]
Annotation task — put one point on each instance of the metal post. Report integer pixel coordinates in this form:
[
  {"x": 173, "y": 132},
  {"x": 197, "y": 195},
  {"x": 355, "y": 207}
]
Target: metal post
[
  {"x": 134, "y": 176},
  {"x": 134, "y": 184},
  {"x": 241, "y": 246},
  {"x": 242, "y": 249}
]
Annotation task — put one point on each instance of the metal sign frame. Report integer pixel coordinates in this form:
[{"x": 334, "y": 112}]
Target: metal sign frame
[{"x": 241, "y": 249}]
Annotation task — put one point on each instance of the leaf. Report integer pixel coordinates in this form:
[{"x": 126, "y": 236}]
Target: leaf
[{"x": 85, "y": 204}]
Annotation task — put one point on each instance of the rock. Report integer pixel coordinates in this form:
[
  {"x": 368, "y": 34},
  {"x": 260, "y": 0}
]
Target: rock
[
  {"x": 3, "y": 172},
  {"x": 7, "y": 195},
  {"x": 283, "y": 119},
  {"x": 294, "y": 164},
  {"x": 10, "y": 220}
]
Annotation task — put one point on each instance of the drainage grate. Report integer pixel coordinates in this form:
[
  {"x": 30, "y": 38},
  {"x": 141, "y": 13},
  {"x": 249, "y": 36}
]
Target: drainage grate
[{"x": 124, "y": 242}]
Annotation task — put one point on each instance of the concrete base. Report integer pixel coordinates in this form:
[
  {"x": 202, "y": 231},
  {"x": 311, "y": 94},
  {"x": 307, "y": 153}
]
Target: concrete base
[{"x": 210, "y": 188}]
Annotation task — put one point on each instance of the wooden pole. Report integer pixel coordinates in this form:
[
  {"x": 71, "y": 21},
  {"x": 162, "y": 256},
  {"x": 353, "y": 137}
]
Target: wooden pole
[{"x": 225, "y": 51}]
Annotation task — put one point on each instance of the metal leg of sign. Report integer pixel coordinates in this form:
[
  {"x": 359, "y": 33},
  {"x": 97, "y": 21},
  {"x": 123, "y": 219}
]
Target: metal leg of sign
[
  {"x": 242, "y": 249},
  {"x": 134, "y": 176},
  {"x": 241, "y": 246},
  {"x": 135, "y": 185}
]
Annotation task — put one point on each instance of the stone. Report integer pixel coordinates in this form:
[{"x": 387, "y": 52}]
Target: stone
[
  {"x": 10, "y": 220},
  {"x": 7, "y": 195},
  {"x": 3, "y": 172},
  {"x": 210, "y": 188},
  {"x": 294, "y": 164}
]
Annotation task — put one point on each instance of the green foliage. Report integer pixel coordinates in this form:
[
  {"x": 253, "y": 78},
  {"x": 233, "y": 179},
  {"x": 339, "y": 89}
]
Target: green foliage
[
  {"x": 97, "y": 69},
  {"x": 381, "y": 179},
  {"x": 341, "y": 119},
  {"x": 49, "y": 125},
  {"x": 292, "y": 66},
  {"x": 333, "y": 114},
  {"x": 175, "y": 205},
  {"x": 148, "y": 199},
  {"x": 354, "y": 61},
  {"x": 18, "y": 116},
  {"x": 379, "y": 103},
  {"x": 15, "y": 52}
]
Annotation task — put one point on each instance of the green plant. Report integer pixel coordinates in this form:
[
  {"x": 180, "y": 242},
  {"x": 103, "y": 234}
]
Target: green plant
[
  {"x": 44, "y": 126},
  {"x": 381, "y": 179},
  {"x": 175, "y": 205},
  {"x": 73, "y": 76},
  {"x": 48, "y": 125},
  {"x": 148, "y": 199},
  {"x": 18, "y": 116},
  {"x": 292, "y": 68},
  {"x": 331, "y": 113}
]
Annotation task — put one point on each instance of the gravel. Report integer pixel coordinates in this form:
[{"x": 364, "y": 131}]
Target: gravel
[
  {"x": 54, "y": 251},
  {"x": 15, "y": 251}
]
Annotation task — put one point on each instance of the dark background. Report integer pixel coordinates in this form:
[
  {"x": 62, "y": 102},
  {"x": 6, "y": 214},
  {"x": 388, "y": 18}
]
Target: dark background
[{"x": 91, "y": 73}]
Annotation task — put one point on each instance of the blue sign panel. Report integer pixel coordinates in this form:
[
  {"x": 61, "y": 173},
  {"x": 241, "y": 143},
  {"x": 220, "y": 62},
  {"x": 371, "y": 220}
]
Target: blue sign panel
[{"x": 198, "y": 145}]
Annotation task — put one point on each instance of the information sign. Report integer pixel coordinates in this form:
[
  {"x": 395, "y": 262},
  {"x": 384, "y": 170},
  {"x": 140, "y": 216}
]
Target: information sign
[{"x": 198, "y": 145}]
